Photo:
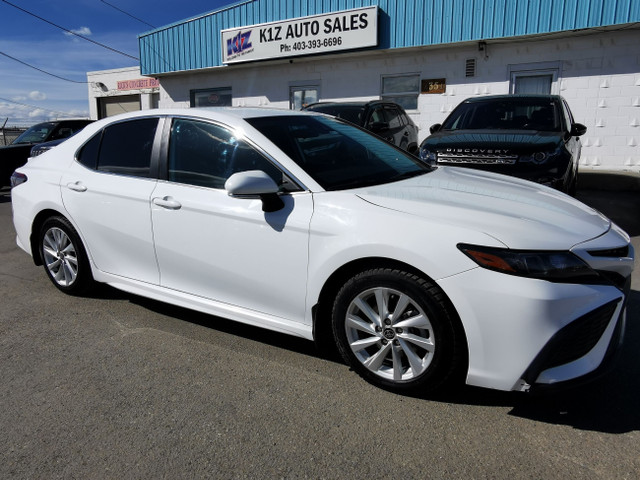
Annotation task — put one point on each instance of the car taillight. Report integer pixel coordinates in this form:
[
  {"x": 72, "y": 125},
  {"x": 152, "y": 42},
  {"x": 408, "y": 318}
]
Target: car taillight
[{"x": 17, "y": 178}]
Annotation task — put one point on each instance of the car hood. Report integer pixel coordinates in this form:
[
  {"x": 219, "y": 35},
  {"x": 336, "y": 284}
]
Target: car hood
[
  {"x": 518, "y": 213},
  {"x": 512, "y": 140}
]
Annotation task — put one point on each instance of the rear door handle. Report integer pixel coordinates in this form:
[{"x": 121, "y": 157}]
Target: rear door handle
[
  {"x": 76, "y": 186},
  {"x": 167, "y": 202}
]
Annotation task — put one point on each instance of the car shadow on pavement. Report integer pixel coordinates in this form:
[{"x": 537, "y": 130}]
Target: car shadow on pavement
[{"x": 5, "y": 195}]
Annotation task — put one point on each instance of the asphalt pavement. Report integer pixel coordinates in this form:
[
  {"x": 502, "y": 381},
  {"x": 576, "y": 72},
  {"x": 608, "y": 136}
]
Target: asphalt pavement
[{"x": 117, "y": 386}]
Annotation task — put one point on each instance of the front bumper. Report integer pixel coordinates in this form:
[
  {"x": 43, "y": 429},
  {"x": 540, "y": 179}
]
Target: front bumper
[{"x": 524, "y": 333}]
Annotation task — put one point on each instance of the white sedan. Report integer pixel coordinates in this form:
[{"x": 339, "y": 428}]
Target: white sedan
[{"x": 306, "y": 225}]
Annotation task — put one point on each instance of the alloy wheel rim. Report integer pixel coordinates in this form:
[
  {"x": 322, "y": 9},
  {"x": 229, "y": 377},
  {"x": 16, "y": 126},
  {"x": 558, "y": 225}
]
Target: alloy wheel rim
[
  {"x": 390, "y": 334},
  {"x": 60, "y": 257}
]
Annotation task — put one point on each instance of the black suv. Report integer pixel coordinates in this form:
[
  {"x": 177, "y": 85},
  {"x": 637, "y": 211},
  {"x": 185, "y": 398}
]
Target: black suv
[
  {"x": 15, "y": 155},
  {"x": 527, "y": 136},
  {"x": 386, "y": 119}
]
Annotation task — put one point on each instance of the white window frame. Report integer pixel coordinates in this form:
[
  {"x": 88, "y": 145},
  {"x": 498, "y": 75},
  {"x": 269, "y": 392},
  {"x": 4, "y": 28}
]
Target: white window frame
[
  {"x": 536, "y": 69},
  {"x": 392, "y": 95}
]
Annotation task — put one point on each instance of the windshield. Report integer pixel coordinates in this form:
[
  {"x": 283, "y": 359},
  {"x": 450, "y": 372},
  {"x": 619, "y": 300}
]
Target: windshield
[
  {"x": 505, "y": 114},
  {"x": 351, "y": 113},
  {"x": 36, "y": 134},
  {"x": 336, "y": 154}
]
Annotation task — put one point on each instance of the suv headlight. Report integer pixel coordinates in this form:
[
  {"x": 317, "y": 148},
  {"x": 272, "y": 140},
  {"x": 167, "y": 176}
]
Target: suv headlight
[
  {"x": 429, "y": 157},
  {"x": 561, "y": 267}
]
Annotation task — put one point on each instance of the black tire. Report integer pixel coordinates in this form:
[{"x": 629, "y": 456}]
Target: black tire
[
  {"x": 64, "y": 257},
  {"x": 419, "y": 350}
]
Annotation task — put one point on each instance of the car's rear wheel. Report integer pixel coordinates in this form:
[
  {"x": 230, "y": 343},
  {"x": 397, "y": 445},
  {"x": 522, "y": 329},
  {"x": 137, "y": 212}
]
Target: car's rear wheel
[
  {"x": 396, "y": 330},
  {"x": 63, "y": 256}
]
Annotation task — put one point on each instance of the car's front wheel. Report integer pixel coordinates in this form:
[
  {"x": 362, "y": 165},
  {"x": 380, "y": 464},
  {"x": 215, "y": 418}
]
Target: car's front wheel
[
  {"x": 64, "y": 257},
  {"x": 396, "y": 330}
]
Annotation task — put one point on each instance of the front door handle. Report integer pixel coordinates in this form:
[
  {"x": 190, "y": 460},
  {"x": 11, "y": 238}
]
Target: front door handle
[
  {"x": 76, "y": 186},
  {"x": 167, "y": 202}
]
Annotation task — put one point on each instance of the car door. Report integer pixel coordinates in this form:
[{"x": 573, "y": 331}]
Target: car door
[
  {"x": 222, "y": 248},
  {"x": 107, "y": 194}
]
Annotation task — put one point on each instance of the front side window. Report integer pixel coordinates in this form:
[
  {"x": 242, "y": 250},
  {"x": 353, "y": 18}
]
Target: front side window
[
  {"x": 206, "y": 155},
  {"x": 124, "y": 148},
  {"x": 402, "y": 89},
  {"x": 336, "y": 154}
]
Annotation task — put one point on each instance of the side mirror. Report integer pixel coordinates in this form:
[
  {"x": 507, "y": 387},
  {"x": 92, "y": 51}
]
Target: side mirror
[
  {"x": 255, "y": 183},
  {"x": 578, "y": 129},
  {"x": 435, "y": 128},
  {"x": 377, "y": 127}
]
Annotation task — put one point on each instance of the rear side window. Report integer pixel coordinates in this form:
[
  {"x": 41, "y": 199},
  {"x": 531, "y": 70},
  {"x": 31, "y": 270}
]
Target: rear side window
[
  {"x": 88, "y": 155},
  {"x": 394, "y": 118},
  {"x": 126, "y": 147}
]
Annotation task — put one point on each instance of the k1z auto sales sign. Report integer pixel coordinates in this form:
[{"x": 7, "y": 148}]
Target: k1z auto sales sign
[{"x": 345, "y": 30}]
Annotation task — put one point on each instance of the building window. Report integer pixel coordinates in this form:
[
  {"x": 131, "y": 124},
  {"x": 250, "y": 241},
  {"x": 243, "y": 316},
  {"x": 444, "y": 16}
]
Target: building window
[
  {"x": 402, "y": 89},
  {"x": 537, "y": 78},
  {"x": 302, "y": 96},
  {"x": 211, "y": 97}
]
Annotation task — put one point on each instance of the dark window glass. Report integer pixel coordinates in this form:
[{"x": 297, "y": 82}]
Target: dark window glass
[
  {"x": 88, "y": 155},
  {"x": 336, "y": 154},
  {"x": 126, "y": 147},
  {"x": 207, "y": 155},
  {"x": 394, "y": 117},
  {"x": 517, "y": 113},
  {"x": 377, "y": 116}
]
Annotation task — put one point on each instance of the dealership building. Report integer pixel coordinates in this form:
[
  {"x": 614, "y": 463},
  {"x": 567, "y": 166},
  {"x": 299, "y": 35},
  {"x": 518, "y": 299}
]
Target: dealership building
[{"x": 427, "y": 55}]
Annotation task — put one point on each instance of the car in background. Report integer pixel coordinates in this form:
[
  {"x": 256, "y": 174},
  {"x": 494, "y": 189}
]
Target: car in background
[
  {"x": 533, "y": 137},
  {"x": 308, "y": 225},
  {"x": 386, "y": 119},
  {"x": 16, "y": 154}
]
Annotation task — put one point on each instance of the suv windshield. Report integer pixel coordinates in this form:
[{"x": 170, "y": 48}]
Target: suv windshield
[
  {"x": 338, "y": 155},
  {"x": 351, "y": 113},
  {"x": 37, "y": 133},
  {"x": 506, "y": 114}
]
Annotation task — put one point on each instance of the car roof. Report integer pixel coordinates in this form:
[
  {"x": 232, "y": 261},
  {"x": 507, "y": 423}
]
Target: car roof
[{"x": 354, "y": 103}]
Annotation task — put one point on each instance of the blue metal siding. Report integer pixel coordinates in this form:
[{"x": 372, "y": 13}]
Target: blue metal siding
[{"x": 195, "y": 43}]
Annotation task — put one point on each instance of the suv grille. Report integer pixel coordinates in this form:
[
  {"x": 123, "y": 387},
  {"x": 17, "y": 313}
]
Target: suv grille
[{"x": 477, "y": 158}]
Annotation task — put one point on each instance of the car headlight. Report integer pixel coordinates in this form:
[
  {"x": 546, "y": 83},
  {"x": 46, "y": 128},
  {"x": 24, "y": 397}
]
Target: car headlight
[
  {"x": 561, "y": 267},
  {"x": 428, "y": 156},
  {"x": 540, "y": 157}
]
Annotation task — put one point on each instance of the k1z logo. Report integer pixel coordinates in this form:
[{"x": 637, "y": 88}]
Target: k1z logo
[{"x": 239, "y": 43}]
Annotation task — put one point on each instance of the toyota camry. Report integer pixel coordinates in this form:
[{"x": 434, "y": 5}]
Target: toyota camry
[{"x": 310, "y": 226}]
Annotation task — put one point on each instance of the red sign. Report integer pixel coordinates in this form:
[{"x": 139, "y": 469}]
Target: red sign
[{"x": 139, "y": 83}]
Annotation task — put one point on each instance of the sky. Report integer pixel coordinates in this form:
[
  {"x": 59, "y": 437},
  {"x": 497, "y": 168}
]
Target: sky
[{"x": 29, "y": 96}]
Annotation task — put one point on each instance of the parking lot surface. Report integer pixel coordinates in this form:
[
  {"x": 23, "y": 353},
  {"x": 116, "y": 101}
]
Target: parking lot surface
[{"x": 117, "y": 386}]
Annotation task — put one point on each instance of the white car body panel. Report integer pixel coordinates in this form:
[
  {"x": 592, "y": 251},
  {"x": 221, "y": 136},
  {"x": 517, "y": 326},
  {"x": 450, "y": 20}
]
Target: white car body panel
[
  {"x": 103, "y": 205},
  {"x": 238, "y": 248}
]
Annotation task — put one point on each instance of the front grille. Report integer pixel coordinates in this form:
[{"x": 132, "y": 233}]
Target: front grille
[
  {"x": 477, "y": 158},
  {"x": 573, "y": 341}
]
